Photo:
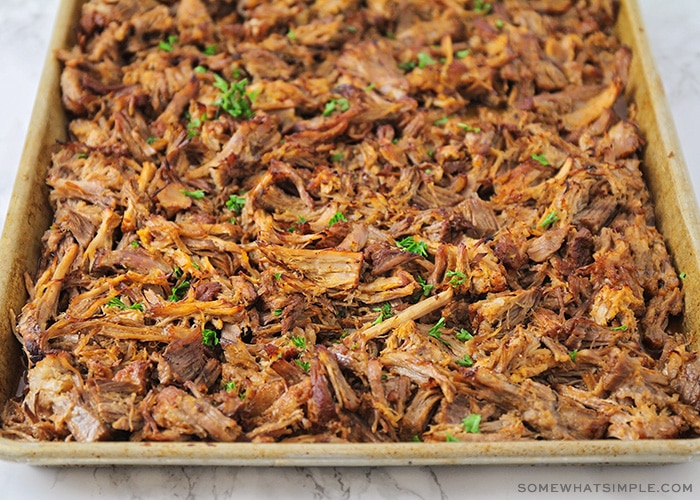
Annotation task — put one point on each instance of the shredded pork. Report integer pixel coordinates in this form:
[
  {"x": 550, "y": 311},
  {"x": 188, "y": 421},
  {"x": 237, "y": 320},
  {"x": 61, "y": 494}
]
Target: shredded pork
[{"x": 334, "y": 220}]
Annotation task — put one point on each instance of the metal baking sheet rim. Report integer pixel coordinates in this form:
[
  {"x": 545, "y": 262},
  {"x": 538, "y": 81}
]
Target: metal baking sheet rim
[{"x": 29, "y": 209}]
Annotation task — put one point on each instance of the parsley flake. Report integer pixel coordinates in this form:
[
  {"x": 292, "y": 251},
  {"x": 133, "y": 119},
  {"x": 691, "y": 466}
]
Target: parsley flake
[
  {"x": 167, "y": 44},
  {"x": 117, "y": 302},
  {"x": 337, "y": 217},
  {"x": 409, "y": 244},
  {"x": 424, "y": 60},
  {"x": 541, "y": 159},
  {"x": 210, "y": 337},
  {"x": 197, "y": 195},
  {"x": 471, "y": 423},
  {"x": 235, "y": 203},
  {"x": 384, "y": 313},
  {"x": 456, "y": 277},
  {"x": 464, "y": 335},
  {"x": 299, "y": 342},
  {"x": 550, "y": 219}
]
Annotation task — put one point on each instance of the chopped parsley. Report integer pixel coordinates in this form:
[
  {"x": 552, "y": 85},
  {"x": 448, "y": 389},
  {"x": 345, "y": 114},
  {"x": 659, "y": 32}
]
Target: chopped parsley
[
  {"x": 82, "y": 156},
  {"x": 299, "y": 342},
  {"x": 425, "y": 287},
  {"x": 200, "y": 69},
  {"x": 151, "y": 140},
  {"x": 409, "y": 244},
  {"x": 197, "y": 195},
  {"x": 235, "y": 203},
  {"x": 384, "y": 313},
  {"x": 337, "y": 157},
  {"x": 440, "y": 122},
  {"x": 450, "y": 438},
  {"x": 278, "y": 276},
  {"x": 337, "y": 217},
  {"x": 471, "y": 423},
  {"x": 416, "y": 439},
  {"x": 456, "y": 277},
  {"x": 541, "y": 159},
  {"x": 277, "y": 312},
  {"x": 341, "y": 104},
  {"x": 620, "y": 328},
  {"x": 469, "y": 128},
  {"x": 167, "y": 44},
  {"x": 117, "y": 302},
  {"x": 464, "y": 335},
  {"x": 499, "y": 24},
  {"x": 424, "y": 60},
  {"x": 135, "y": 244},
  {"x": 210, "y": 50},
  {"x": 178, "y": 291},
  {"x": 461, "y": 54},
  {"x": 482, "y": 8},
  {"x": 550, "y": 219},
  {"x": 233, "y": 98},
  {"x": 682, "y": 276},
  {"x": 466, "y": 361},
  {"x": 304, "y": 365},
  {"x": 291, "y": 34},
  {"x": 436, "y": 331},
  {"x": 369, "y": 87},
  {"x": 210, "y": 337},
  {"x": 407, "y": 66},
  {"x": 573, "y": 355},
  {"x": 230, "y": 386}
]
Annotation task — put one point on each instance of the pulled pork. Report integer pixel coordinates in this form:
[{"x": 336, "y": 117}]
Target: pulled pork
[{"x": 333, "y": 221}]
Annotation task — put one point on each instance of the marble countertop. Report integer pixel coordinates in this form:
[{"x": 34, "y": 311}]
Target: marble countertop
[{"x": 25, "y": 27}]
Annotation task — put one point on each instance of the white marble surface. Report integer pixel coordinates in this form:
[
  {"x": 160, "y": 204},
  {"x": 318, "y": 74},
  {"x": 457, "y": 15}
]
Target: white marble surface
[{"x": 674, "y": 30}]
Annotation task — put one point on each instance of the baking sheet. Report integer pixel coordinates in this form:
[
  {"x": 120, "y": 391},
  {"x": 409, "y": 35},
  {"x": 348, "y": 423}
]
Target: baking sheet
[{"x": 29, "y": 215}]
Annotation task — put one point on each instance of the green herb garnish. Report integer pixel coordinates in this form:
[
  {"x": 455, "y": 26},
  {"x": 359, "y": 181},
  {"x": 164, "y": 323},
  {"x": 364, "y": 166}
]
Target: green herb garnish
[
  {"x": 167, "y": 44},
  {"x": 210, "y": 50},
  {"x": 550, "y": 219},
  {"x": 304, "y": 365},
  {"x": 466, "y": 361},
  {"x": 541, "y": 159},
  {"x": 620, "y": 328},
  {"x": 464, "y": 335},
  {"x": 197, "y": 195},
  {"x": 337, "y": 217},
  {"x": 384, "y": 313},
  {"x": 450, "y": 438},
  {"x": 456, "y": 277},
  {"x": 573, "y": 355},
  {"x": 471, "y": 423},
  {"x": 424, "y": 60},
  {"x": 179, "y": 291},
  {"x": 337, "y": 157},
  {"x": 235, "y": 203},
  {"x": 425, "y": 287},
  {"x": 299, "y": 342},
  {"x": 469, "y": 128},
  {"x": 229, "y": 386},
  {"x": 481, "y": 8},
  {"x": 200, "y": 69},
  {"x": 210, "y": 337},
  {"x": 117, "y": 302},
  {"x": 233, "y": 98},
  {"x": 440, "y": 122},
  {"x": 461, "y": 54},
  {"x": 409, "y": 244}
]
